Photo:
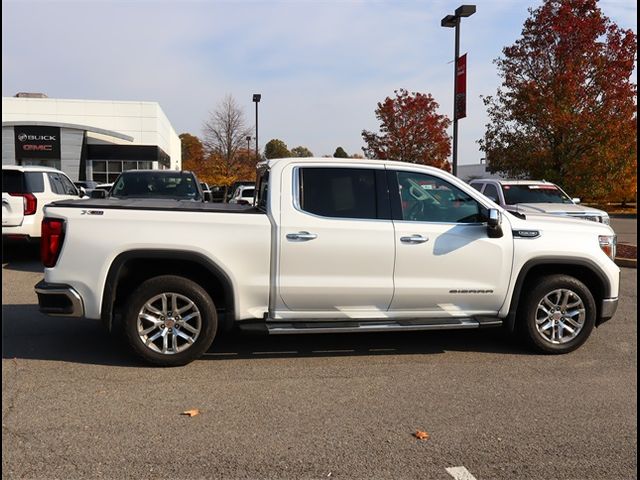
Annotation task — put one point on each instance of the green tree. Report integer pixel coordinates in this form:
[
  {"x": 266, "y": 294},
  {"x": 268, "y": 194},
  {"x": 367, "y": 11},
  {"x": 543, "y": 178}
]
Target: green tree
[
  {"x": 566, "y": 109},
  {"x": 340, "y": 153},
  {"x": 411, "y": 131},
  {"x": 276, "y": 149},
  {"x": 301, "y": 152}
]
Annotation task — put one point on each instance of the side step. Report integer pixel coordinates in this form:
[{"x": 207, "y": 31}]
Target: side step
[{"x": 275, "y": 327}]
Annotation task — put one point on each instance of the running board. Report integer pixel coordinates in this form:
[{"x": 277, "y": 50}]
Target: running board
[{"x": 275, "y": 327}]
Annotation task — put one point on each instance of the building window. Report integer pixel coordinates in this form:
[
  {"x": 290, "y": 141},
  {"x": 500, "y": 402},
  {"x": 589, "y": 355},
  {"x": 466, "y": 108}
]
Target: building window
[{"x": 106, "y": 171}]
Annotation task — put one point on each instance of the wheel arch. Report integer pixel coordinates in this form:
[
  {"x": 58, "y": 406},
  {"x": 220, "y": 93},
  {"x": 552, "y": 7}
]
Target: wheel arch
[
  {"x": 132, "y": 267},
  {"x": 584, "y": 270}
]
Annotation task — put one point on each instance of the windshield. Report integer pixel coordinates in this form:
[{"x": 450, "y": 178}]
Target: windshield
[
  {"x": 514, "y": 194},
  {"x": 178, "y": 185}
]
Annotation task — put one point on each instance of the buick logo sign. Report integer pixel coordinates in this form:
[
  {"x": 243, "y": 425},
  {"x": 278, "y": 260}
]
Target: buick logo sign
[{"x": 22, "y": 137}]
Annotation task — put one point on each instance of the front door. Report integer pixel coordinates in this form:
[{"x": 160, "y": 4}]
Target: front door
[
  {"x": 336, "y": 243},
  {"x": 446, "y": 265}
]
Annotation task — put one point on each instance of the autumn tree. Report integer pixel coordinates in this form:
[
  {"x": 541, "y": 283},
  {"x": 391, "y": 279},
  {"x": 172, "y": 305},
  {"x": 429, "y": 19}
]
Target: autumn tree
[
  {"x": 276, "y": 149},
  {"x": 225, "y": 134},
  {"x": 340, "y": 153},
  {"x": 566, "y": 109},
  {"x": 194, "y": 157},
  {"x": 410, "y": 131},
  {"x": 301, "y": 152}
]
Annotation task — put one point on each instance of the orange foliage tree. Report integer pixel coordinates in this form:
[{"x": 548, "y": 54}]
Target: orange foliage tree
[
  {"x": 566, "y": 109},
  {"x": 410, "y": 131}
]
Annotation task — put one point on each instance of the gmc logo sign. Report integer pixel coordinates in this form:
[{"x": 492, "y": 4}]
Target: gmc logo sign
[{"x": 38, "y": 148}]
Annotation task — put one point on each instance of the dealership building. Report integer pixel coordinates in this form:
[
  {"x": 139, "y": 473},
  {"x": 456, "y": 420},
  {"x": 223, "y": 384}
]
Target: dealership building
[{"x": 87, "y": 139}]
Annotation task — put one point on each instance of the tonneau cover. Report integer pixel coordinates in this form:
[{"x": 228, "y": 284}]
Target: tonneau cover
[{"x": 155, "y": 204}]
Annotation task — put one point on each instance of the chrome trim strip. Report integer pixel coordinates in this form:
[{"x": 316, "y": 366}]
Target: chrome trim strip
[
  {"x": 609, "y": 307},
  {"x": 289, "y": 328},
  {"x": 77, "y": 307}
]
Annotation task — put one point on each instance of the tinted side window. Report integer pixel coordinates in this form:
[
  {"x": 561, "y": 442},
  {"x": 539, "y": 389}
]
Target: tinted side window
[
  {"x": 477, "y": 186},
  {"x": 69, "y": 187},
  {"x": 338, "y": 192},
  {"x": 56, "y": 183},
  {"x": 425, "y": 198},
  {"x": 491, "y": 192}
]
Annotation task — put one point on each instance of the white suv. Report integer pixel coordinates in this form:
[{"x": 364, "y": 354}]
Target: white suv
[
  {"x": 25, "y": 190},
  {"x": 536, "y": 196}
]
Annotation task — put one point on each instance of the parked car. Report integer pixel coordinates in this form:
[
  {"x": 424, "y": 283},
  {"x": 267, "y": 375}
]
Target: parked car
[
  {"x": 535, "y": 196},
  {"x": 206, "y": 192},
  {"x": 167, "y": 184},
  {"x": 231, "y": 191},
  {"x": 25, "y": 191},
  {"x": 243, "y": 195},
  {"x": 332, "y": 245},
  {"x": 217, "y": 193}
]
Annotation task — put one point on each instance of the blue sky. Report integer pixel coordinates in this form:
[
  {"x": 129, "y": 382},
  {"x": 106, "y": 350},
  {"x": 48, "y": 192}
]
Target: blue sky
[{"x": 321, "y": 66}]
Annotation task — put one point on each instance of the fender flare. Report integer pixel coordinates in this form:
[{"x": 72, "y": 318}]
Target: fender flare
[
  {"x": 553, "y": 261},
  {"x": 110, "y": 286}
]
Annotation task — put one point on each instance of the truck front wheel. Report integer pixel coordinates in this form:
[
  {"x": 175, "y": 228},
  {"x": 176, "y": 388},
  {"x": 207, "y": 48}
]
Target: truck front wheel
[
  {"x": 558, "y": 314},
  {"x": 169, "y": 321}
]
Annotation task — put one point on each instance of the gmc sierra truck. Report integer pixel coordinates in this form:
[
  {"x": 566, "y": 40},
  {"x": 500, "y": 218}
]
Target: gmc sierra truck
[{"x": 328, "y": 246}]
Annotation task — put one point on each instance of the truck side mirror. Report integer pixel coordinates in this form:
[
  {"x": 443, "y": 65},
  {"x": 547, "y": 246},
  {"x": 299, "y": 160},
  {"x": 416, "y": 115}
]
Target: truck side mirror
[
  {"x": 98, "y": 194},
  {"x": 494, "y": 223},
  {"x": 576, "y": 200}
]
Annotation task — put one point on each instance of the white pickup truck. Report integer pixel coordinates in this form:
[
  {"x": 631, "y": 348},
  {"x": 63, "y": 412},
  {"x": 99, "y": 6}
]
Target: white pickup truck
[{"x": 329, "y": 246}]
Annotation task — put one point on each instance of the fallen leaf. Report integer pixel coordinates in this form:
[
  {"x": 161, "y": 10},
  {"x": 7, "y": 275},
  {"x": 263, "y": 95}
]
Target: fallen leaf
[
  {"x": 191, "y": 413},
  {"x": 420, "y": 435}
]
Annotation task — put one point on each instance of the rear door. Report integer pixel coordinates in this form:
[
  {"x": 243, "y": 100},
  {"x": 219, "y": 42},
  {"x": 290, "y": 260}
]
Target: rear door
[{"x": 336, "y": 243}]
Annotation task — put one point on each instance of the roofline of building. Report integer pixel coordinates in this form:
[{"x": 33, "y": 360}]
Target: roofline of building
[{"x": 88, "y": 128}]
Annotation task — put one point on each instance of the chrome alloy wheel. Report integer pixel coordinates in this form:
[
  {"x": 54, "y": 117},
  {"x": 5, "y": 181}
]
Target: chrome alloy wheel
[
  {"x": 560, "y": 316},
  {"x": 169, "y": 323}
]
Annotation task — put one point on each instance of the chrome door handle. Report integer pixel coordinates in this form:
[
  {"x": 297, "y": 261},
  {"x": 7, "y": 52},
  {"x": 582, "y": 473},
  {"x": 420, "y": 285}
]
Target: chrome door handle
[
  {"x": 301, "y": 236},
  {"x": 414, "y": 239}
]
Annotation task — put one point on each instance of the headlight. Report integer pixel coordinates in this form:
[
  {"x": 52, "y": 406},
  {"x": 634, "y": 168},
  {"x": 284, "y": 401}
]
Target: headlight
[
  {"x": 605, "y": 219},
  {"x": 608, "y": 245}
]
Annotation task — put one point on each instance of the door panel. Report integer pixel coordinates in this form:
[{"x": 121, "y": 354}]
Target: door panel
[
  {"x": 334, "y": 261},
  {"x": 454, "y": 269}
]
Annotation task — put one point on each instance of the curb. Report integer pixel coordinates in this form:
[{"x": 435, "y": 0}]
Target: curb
[{"x": 627, "y": 262}]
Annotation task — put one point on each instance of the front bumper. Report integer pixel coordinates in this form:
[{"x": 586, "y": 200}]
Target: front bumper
[
  {"x": 607, "y": 310},
  {"x": 59, "y": 300}
]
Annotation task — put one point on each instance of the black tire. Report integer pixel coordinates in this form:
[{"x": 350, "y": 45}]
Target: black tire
[
  {"x": 533, "y": 317},
  {"x": 203, "y": 312}
]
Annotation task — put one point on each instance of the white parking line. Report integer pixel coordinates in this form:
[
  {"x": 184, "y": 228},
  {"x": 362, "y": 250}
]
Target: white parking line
[{"x": 460, "y": 473}]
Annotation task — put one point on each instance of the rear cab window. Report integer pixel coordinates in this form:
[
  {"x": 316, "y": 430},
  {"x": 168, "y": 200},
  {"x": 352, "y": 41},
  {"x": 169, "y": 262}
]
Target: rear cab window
[{"x": 338, "y": 192}]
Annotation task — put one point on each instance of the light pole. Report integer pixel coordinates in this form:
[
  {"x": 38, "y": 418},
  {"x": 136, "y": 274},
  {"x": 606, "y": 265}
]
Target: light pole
[
  {"x": 453, "y": 21},
  {"x": 256, "y": 99}
]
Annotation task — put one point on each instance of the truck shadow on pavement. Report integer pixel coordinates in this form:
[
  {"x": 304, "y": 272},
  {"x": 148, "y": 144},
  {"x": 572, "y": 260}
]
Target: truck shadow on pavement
[
  {"x": 28, "y": 334},
  {"x": 21, "y": 257}
]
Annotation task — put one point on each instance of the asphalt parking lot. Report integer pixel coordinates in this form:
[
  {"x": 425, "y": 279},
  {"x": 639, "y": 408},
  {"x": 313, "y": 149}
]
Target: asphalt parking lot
[{"x": 76, "y": 405}]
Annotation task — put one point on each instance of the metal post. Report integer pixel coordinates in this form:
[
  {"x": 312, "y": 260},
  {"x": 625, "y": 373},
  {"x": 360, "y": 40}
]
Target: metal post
[
  {"x": 454, "y": 165},
  {"x": 257, "y": 151}
]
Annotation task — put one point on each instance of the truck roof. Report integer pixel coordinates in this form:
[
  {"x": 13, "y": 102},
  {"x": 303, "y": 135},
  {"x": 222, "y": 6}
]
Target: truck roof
[
  {"x": 30, "y": 168},
  {"x": 362, "y": 161}
]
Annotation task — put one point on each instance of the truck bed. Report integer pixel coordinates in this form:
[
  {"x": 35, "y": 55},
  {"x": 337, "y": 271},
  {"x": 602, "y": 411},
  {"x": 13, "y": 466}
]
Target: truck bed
[{"x": 156, "y": 204}]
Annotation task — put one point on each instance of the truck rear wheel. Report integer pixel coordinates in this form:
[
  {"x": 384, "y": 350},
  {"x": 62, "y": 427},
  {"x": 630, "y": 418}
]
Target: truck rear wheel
[
  {"x": 558, "y": 314},
  {"x": 169, "y": 321}
]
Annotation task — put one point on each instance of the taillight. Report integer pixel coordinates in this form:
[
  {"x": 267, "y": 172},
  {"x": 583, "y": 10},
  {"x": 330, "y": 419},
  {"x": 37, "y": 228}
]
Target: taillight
[
  {"x": 51, "y": 241},
  {"x": 30, "y": 202}
]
